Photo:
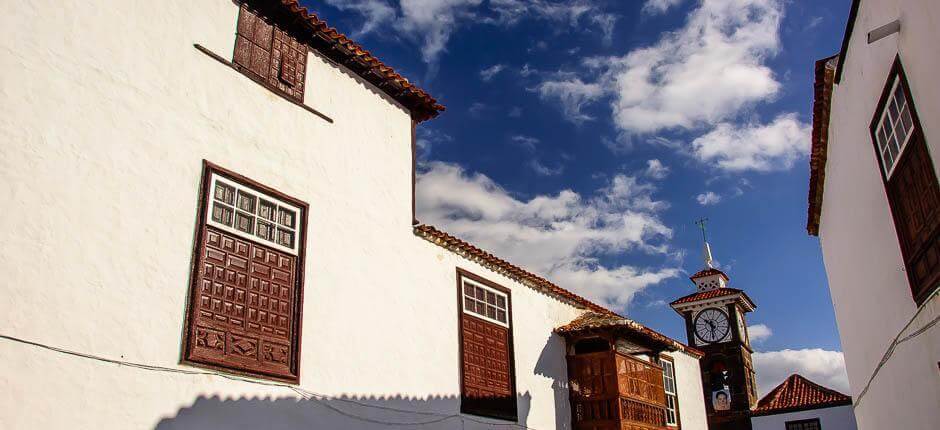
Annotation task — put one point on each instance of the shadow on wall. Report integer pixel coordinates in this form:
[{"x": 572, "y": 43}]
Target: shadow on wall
[
  {"x": 549, "y": 366},
  {"x": 345, "y": 412}
]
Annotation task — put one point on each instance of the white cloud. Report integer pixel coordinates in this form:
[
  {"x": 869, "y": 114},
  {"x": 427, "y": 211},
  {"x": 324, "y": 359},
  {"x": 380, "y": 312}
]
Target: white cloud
[
  {"x": 488, "y": 73},
  {"x": 655, "y": 7},
  {"x": 477, "y": 109},
  {"x": 759, "y": 332},
  {"x": 563, "y": 236},
  {"x": 427, "y": 138},
  {"x": 655, "y": 169},
  {"x": 694, "y": 77},
  {"x": 573, "y": 95},
  {"x": 515, "y": 112},
  {"x": 708, "y": 198},
  {"x": 433, "y": 22},
  {"x": 823, "y": 367},
  {"x": 544, "y": 170},
  {"x": 761, "y": 147},
  {"x": 526, "y": 142},
  {"x": 374, "y": 12}
]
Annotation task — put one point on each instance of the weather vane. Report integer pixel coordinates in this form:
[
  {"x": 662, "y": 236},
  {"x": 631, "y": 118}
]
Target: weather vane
[{"x": 708, "y": 250}]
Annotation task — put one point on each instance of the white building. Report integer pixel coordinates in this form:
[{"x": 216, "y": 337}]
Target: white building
[
  {"x": 189, "y": 185},
  {"x": 875, "y": 204},
  {"x": 800, "y": 404}
]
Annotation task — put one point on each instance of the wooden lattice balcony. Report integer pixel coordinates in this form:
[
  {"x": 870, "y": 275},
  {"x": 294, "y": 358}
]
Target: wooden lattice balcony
[{"x": 611, "y": 390}]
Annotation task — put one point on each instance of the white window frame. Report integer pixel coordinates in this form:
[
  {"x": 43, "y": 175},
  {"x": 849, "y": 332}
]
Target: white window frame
[
  {"x": 463, "y": 297},
  {"x": 890, "y": 135},
  {"x": 674, "y": 395},
  {"x": 215, "y": 178}
]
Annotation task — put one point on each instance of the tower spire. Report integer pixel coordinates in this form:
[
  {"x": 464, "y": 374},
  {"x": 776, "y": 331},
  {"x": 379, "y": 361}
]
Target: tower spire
[{"x": 707, "y": 251}]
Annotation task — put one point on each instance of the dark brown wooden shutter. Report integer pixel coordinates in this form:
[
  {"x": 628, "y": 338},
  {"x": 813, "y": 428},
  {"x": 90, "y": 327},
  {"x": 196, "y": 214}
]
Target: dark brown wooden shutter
[
  {"x": 270, "y": 54},
  {"x": 487, "y": 372},
  {"x": 914, "y": 195},
  {"x": 245, "y": 301}
]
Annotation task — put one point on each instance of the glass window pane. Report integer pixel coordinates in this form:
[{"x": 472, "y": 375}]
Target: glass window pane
[
  {"x": 222, "y": 214},
  {"x": 265, "y": 230},
  {"x": 468, "y": 289},
  {"x": 244, "y": 222},
  {"x": 468, "y": 304},
  {"x": 267, "y": 210},
  {"x": 501, "y": 315},
  {"x": 882, "y": 139},
  {"x": 886, "y": 159},
  {"x": 893, "y": 109},
  {"x": 246, "y": 202},
  {"x": 491, "y": 312},
  {"x": 286, "y": 238},
  {"x": 900, "y": 132},
  {"x": 491, "y": 297},
  {"x": 894, "y": 147},
  {"x": 481, "y": 295},
  {"x": 899, "y": 96},
  {"x": 501, "y": 302},
  {"x": 225, "y": 193},
  {"x": 286, "y": 217},
  {"x": 906, "y": 119}
]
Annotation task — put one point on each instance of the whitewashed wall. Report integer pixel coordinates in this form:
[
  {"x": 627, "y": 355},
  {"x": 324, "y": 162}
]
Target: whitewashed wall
[
  {"x": 838, "y": 418},
  {"x": 106, "y": 113},
  {"x": 689, "y": 390},
  {"x": 863, "y": 260}
]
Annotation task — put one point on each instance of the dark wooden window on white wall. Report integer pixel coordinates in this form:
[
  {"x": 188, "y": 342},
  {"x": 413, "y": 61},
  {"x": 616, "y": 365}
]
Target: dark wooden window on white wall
[
  {"x": 910, "y": 182},
  {"x": 812, "y": 424},
  {"x": 267, "y": 53},
  {"x": 486, "y": 356},
  {"x": 246, "y": 296}
]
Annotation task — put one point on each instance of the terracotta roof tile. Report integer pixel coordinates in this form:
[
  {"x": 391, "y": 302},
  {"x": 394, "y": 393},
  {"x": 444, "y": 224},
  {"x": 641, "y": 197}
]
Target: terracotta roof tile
[
  {"x": 822, "y": 98},
  {"x": 708, "y": 272},
  {"x": 330, "y": 42},
  {"x": 798, "y": 393},
  {"x": 594, "y": 320},
  {"x": 709, "y": 294},
  {"x": 598, "y": 313}
]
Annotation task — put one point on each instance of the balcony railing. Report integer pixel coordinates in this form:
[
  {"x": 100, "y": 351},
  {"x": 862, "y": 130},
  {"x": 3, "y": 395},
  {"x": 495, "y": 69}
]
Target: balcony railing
[{"x": 610, "y": 390}]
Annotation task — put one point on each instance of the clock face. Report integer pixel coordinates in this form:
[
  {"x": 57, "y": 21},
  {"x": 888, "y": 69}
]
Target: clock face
[{"x": 711, "y": 325}]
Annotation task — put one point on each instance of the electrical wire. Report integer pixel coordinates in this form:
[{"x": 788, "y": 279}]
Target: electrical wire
[
  {"x": 305, "y": 394},
  {"x": 899, "y": 340}
]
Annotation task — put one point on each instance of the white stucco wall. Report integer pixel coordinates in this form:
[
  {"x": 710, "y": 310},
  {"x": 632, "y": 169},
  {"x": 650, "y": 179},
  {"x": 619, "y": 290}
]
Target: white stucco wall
[
  {"x": 863, "y": 260},
  {"x": 106, "y": 113},
  {"x": 689, "y": 390},
  {"x": 838, "y": 418}
]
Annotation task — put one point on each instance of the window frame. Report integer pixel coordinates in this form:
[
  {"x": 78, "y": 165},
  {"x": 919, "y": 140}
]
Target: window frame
[
  {"x": 216, "y": 178},
  {"x": 298, "y": 89},
  {"x": 897, "y": 77},
  {"x": 462, "y": 274},
  {"x": 788, "y": 424},
  {"x": 199, "y": 249},
  {"x": 663, "y": 359}
]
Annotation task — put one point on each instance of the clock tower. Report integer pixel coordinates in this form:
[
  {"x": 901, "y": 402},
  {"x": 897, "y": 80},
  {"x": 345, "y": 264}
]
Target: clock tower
[{"x": 715, "y": 323}]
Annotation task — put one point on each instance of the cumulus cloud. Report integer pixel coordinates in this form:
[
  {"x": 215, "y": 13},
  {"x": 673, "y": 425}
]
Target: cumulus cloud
[
  {"x": 655, "y": 169},
  {"x": 761, "y": 147},
  {"x": 823, "y": 367},
  {"x": 562, "y": 236},
  {"x": 374, "y": 13},
  {"x": 527, "y": 142},
  {"x": 708, "y": 198},
  {"x": 759, "y": 332},
  {"x": 544, "y": 170},
  {"x": 488, "y": 73},
  {"x": 573, "y": 95},
  {"x": 655, "y": 7}
]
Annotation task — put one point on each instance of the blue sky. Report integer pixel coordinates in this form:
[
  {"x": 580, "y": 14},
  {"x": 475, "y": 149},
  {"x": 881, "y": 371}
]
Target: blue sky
[{"x": 582, "y": 139}]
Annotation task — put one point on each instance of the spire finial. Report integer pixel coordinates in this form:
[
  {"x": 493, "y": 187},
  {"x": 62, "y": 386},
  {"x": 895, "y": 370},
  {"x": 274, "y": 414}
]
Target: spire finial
[{"x": 708, "y": 250}]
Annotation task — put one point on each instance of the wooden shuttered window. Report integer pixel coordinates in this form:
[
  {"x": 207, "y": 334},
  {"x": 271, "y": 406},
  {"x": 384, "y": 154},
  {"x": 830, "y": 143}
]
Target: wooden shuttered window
[
  {"x": 245, "y": 299},
  {"x": 269, "y": 54},
  {"x": 486, "y": 359},
  {"x": 910, "y": 183}
]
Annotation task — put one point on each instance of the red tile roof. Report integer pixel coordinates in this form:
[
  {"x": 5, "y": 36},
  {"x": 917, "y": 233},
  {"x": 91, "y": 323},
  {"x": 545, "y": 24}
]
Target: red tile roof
[
  {"x": 798, "y": 393},
  {"x": 708, "y": 272},
  {"x": 825, "y": 72},
  {"x": 330, "y": 42},
  {"x": 509, "y": 270},
  {"x": 709, "y": 294},
  {"x": 595, "y": 320}
]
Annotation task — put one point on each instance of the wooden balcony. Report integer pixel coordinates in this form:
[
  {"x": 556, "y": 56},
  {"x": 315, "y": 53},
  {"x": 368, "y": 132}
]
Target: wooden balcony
[{"x": 612, "y": 390}]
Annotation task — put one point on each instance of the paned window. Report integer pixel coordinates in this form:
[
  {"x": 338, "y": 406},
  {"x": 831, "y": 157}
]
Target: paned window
[
  {"x": 895, "y": 128},
  {"x": 487, "y": 374},
  {"x": 245, "y": 300},
  {"x": 910, "y": 183},
  {"x": 269, "y": 54},
  {"x": 812, "y": 424},
  {"x": 669, "y": 386}
]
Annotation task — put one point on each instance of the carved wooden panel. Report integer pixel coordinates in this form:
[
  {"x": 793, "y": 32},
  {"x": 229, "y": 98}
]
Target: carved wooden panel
[
  {"x": 270, "y": 54},
  {"x": 915, "y": 201},
  {"x": 486, "y": 368},
  {"x": 244, "y": 312}
]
